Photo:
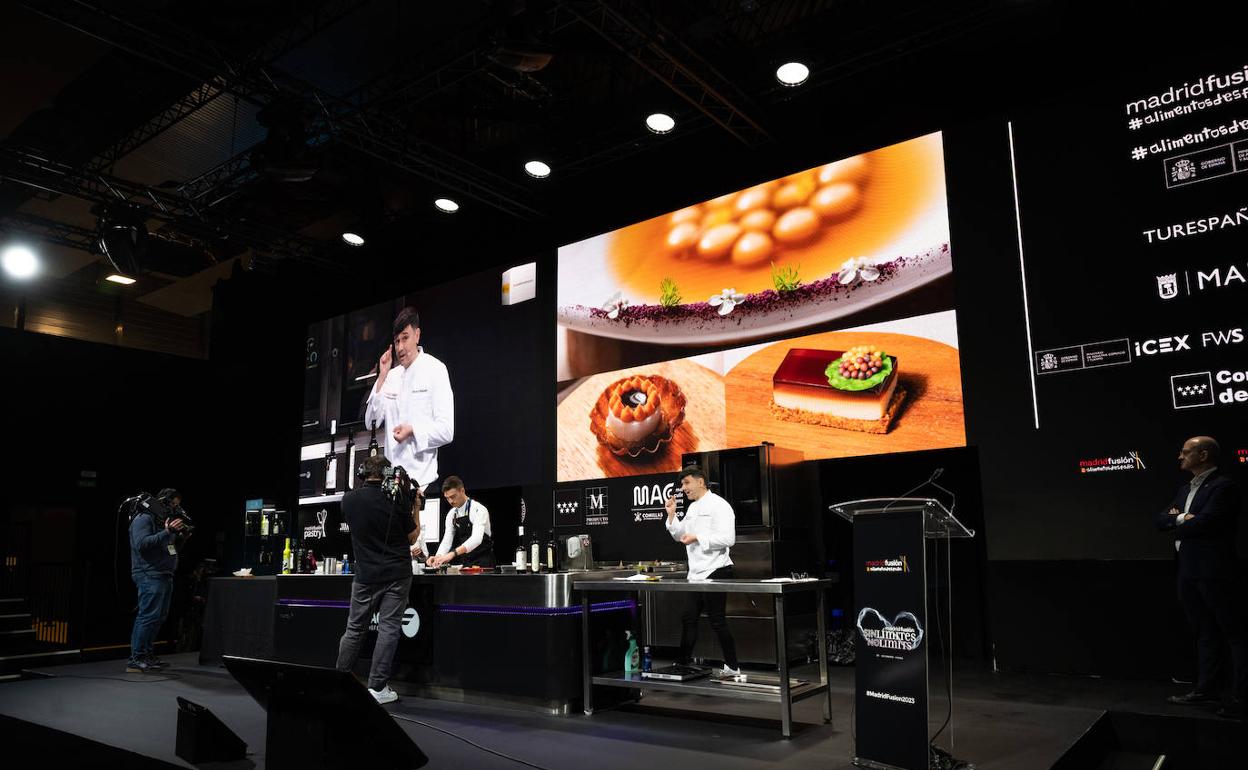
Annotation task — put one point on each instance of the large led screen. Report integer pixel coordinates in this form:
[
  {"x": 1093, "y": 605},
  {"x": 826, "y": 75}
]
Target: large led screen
[{"x": 813, "y": 311}]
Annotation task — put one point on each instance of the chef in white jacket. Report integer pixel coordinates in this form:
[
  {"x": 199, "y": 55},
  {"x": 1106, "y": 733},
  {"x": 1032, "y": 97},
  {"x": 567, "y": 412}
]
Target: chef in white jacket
[
  {"x": 708, "y": 531},
  {"x": 412, "y": 398}
]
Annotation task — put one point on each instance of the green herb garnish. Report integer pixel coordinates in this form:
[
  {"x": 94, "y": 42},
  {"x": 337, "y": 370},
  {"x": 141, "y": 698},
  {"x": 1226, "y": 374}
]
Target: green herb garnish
[
  {"x": 785, "y": 278},
  {"x": 669, "y": 294}
]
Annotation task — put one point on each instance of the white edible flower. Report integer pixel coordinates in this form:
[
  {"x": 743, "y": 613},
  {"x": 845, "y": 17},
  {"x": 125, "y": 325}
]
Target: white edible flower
[
  {"x": 726, "y": 300},
  {"x": 613, "y": 306},
  {"x": 855, "y": 268}
]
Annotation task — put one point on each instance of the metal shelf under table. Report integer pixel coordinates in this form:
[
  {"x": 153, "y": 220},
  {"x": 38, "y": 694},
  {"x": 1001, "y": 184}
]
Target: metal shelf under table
[{"x": 788, "y": 692}]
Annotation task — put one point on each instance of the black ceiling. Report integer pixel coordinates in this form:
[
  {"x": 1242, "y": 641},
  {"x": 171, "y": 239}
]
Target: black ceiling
[{"x": 264, "y": 129}]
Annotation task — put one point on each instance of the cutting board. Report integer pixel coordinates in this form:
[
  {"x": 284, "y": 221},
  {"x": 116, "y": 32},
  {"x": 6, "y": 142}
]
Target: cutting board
[
  {"x": 580, "y": 456},
  {"x": 931, "y": 416}
]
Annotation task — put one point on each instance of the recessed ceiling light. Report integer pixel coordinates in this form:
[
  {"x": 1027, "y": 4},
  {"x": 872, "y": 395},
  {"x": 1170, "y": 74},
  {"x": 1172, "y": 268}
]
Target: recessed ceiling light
[
  {"x": 660, "y": 123},
  {"x": 537, "y": 169},
  {"x": 446, "y": 205},
  {"x": 20, "y": 262},
  {"x": 355, "y": 239},
  {"x": 124, "y": 280},
  {"x": 792, "y": 73}
]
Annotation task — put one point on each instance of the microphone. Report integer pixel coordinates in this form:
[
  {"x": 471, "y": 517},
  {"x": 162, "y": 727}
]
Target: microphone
[{"x": 930, "y": 480}]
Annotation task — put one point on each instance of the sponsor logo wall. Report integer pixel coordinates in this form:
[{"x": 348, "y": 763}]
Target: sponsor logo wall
[
  {"x": 1135, "y": 282},
  {"x": 625, "y": 516}
]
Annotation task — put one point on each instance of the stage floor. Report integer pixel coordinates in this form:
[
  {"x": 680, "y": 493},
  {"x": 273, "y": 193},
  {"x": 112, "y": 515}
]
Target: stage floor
[{"x": 1001, "y": 721}]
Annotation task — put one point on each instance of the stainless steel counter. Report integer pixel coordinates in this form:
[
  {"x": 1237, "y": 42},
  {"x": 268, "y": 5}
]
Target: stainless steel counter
[{"x": 524, "y": 589}]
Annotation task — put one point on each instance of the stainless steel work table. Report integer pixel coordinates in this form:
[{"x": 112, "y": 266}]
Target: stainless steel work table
[{"x": 778, "y": 590}]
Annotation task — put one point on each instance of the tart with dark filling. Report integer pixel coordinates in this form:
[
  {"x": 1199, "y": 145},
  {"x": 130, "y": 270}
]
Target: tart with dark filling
[{"x": 637, "y": 414}]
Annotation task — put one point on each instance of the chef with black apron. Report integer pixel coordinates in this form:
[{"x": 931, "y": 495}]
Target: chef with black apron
[{"x": 466, "y": 538}]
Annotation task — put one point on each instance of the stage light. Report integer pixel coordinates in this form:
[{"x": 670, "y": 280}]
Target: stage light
[
  {"x": 124, "y": 280},
  {"x": 446, "y": 205},
  {"x": 792, "y": 73},
  {"x": 123, "y": 240},
  {"x": 660, "y": 123},
  {"x": 20, "y": 262},
  {"x": 537, "y": 169},
  {"x": 355, "y": 239}
]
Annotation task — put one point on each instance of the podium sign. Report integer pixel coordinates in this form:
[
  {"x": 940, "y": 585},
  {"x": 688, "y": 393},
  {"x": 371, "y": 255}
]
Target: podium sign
[{"x": 890, "y": 593}]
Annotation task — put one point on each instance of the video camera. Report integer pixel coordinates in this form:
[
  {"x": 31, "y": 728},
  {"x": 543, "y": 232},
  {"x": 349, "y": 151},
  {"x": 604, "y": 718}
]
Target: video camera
[
  {"x": 159, "y": 507},
  {"x": 397, "y": 485}
]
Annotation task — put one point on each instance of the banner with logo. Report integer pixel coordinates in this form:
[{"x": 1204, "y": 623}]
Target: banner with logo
[
  {"x": 625, "y": 515},
  {"x": 1132, "y": 226},
  {"x": 891, "y": 634}
]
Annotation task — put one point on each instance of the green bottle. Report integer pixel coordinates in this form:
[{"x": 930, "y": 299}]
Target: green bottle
[{"x": 632, "y": 656}]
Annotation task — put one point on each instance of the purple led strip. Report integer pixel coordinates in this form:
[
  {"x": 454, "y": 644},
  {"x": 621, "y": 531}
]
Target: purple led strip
[
  {"x": 486, "y": 609},
  {"x": 334, "y": 603}
]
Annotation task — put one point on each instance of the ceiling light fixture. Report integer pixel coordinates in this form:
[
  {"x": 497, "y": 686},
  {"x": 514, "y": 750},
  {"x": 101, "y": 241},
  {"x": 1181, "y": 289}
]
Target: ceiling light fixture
[
  {"x": 660, "y": 123},
  {"x": 124, "y": 280},
  {"x": 537, "y": 169},
  {"x": 792, "y": 73},
  {"x": 20, "y": 262},
  {"x": 355, "y": 239},
  {"x": 446, "y": 205}
]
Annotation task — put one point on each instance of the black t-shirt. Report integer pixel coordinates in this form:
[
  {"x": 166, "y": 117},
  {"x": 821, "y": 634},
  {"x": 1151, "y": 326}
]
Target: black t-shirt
[{"x": 381, "y": 555}]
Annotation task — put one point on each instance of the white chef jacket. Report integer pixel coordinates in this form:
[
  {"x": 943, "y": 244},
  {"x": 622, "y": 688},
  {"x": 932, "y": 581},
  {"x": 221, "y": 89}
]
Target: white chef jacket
[
  {"x": 478, "y": 514},
  {"x": 418, "y": 395},
  {"x": 711, "y": 519}
]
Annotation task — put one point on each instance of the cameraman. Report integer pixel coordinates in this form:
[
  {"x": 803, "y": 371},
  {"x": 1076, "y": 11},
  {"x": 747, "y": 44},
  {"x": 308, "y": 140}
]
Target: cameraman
[
  {"x": 383, "y": 532},
  {"x": 157, "y": 530}
]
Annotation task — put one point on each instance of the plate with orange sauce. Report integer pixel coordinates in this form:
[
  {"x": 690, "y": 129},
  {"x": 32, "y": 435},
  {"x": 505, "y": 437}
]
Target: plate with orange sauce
[{"x": 779, "y": 256}]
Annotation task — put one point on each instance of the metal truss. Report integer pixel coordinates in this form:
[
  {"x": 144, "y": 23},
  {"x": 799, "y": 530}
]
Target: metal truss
[
  {"x": 305, "y": 27},
  {"x": 29, "y": 168},
  {"x": 60, "y": 233},
  {"x": 641, "y": 38},
  {"x": 372, "y": 132}
]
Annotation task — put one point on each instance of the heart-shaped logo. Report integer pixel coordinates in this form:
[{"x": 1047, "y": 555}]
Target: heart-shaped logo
[{"x": 903, "y": 632}]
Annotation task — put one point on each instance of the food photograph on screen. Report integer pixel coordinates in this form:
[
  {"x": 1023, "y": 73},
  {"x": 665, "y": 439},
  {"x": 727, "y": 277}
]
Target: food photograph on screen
[
  {"x": 894, "y": 386},
  {"x": 829, "y": 245},
  {"x": 813, "y": 311}
]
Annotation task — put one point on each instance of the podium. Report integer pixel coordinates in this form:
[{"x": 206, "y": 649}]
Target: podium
[{"x": 891, "y": 574}]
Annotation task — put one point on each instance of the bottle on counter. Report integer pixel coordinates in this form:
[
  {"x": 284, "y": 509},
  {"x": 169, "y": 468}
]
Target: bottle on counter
[
  {"x": 521, "y": 551},
  {"x": 550, "y": 552},
  {"x": 646, "y": 661},
  {"x": 346, "y": 565},
  {"x": 264, "y": 523},
  {"x": 632, "y": 656},
  {"x": 287, "y": 559},
  {"x": 331, "y": 460},
  {"x": 535, "y": 553}
]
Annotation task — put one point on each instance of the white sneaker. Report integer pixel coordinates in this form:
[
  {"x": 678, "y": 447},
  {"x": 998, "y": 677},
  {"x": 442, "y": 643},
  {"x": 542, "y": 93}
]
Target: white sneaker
[
  {"x": 728, "y": 672},
  {"x": 385, "y": 695}
]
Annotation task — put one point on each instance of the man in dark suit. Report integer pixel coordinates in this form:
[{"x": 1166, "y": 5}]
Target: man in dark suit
[{"x": 1202, "y": 520}]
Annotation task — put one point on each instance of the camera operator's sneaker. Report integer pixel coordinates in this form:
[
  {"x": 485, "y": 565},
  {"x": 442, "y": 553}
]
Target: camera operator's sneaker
[
  {"x": 384, "y": 695},
  {"x": 139, "y": 666}
]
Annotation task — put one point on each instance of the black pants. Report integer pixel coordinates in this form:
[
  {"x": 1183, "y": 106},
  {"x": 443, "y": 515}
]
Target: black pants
[
  {"x": 1216, "y": 615},
  {"x": 714, "y": 605}
]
